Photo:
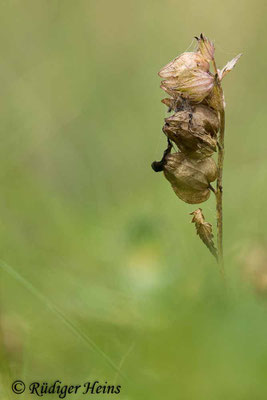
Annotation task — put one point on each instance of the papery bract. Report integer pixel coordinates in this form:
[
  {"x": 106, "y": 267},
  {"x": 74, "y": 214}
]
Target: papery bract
[
  {"x": 228, "y": 67},
  {"x": 204, "y": 230},
  {"x": 205, "y": 47}
]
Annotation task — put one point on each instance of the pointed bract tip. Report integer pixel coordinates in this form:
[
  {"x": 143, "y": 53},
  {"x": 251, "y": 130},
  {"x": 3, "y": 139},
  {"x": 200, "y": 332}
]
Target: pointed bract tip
[
  {"x": 228, "y": 67},
  {"x": 206, "y": 47}
]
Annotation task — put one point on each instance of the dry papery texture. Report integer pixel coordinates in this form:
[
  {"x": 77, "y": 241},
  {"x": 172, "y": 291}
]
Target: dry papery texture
[
  {"x": 204, "y": 230},
  {"x": 194, "y": 85},
  {"x": 190, "y": 178},
  {"x": 194, "y": 130},
  {"x": 184, "y": 62},
  {"x": 197, "y": 102}
]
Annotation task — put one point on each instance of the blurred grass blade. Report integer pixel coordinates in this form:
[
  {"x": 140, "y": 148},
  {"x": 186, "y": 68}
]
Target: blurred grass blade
[{"x": 86, "y": 339}]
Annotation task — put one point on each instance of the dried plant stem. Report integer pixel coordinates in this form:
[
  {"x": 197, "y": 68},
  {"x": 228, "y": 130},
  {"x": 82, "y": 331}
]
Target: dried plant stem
[
  {"x": 219, "y": 188},
  {"x": 219, "y": 191},
  {"x": 198, "y": 103}
]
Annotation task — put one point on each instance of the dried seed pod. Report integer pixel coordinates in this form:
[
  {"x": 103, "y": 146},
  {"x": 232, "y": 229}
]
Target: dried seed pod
[
  {"x": 194, "y": 130},
  {"x": 192, "y": 84},
  {"x": 190, "y": 179},
  {"x": 193, "y": 145},
  {"x": 197, "y": 118},
  {"x": 185, "y": 61}
]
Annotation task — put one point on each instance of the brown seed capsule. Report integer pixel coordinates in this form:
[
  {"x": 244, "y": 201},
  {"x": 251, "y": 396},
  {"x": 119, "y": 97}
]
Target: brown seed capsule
[
  {"x": 194, "y": 130},
  {"x": 190, "y": 179},
  {"x": 182, "y": 63},
  {"x": 192, "y": 84}
]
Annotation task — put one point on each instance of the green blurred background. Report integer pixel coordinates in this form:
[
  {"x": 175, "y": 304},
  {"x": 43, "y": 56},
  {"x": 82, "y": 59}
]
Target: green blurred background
[{"x": 102, "y": 275}]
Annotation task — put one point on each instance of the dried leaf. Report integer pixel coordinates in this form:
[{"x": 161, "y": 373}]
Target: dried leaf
[
  {"x": 204, "y": 230},
  {"x": 228, "y": 67}
]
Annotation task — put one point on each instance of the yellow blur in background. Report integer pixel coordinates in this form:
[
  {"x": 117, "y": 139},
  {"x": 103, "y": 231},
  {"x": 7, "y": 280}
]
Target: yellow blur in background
[{"x": 102, "y": 275}]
